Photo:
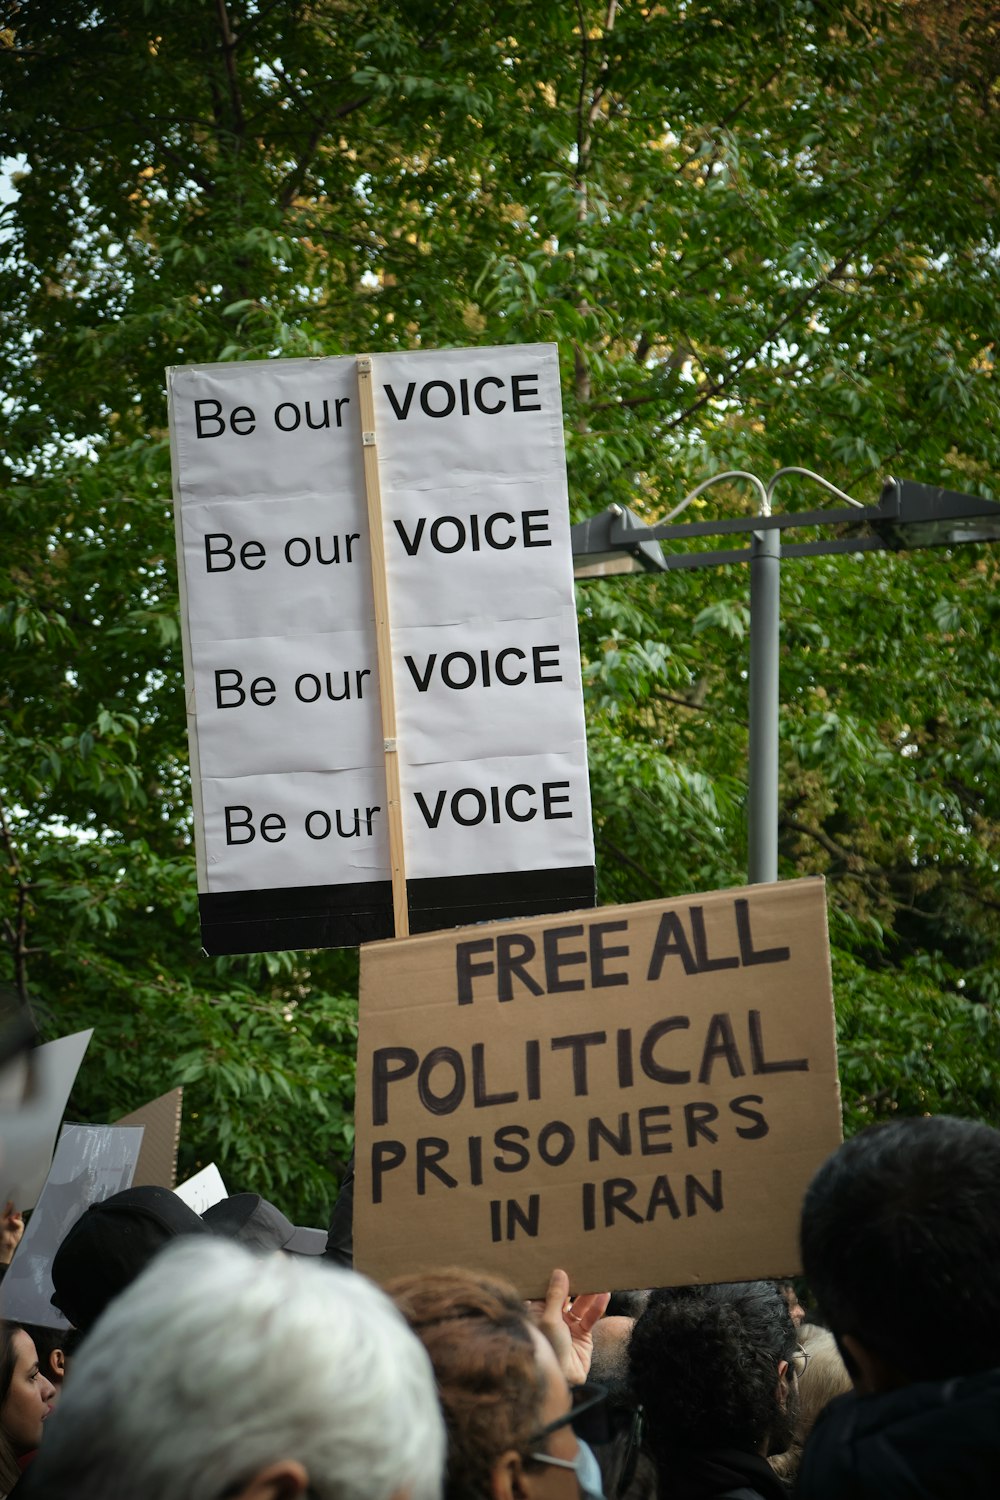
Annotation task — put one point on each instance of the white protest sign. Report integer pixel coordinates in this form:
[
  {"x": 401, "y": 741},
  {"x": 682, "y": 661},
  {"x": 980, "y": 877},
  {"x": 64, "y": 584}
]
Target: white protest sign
[
  {"x": 294, "y": 837},
  {"x": 34, "y": 1088},
  {"x": 91, "y": 1163},
  {"x": 203, "y": 1189}
]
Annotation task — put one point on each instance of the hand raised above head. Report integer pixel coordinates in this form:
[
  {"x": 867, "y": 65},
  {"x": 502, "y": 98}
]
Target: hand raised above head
[
  {"x": 11, "y": 1230},
  {"x": 568, "y": 1324}
]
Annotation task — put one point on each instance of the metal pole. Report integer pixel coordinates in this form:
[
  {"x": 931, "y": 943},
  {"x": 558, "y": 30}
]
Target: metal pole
[{"x": 762, "y": 807}]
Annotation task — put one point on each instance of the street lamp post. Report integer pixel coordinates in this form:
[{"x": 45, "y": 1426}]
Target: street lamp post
[
  {"x": 907, "y": 515},
  {"x": 762, "y": 767}
]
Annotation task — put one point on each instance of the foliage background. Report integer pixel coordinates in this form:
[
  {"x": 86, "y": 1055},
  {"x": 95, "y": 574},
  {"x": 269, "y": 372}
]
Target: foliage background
[{"x": 762, "y": 233}]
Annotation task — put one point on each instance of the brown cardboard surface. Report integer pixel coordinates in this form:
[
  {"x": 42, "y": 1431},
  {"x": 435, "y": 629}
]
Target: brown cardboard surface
[
  {"x": 639, "y": 1094},
  {"x": 157, "y": 1165}
]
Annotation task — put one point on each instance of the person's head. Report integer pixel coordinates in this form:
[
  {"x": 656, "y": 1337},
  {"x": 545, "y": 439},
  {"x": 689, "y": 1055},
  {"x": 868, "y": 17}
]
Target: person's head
[
  {"x": 25, "y": 1401},
  {"x": 824, "y": 1377},
  {"x": 506, "y": 1404},
  {"x": 715, "y": 1369},
  {"x": 630, "y": 1304},
  {"x": 609, "y": 1369},
  {"x": 900, "y": 1240},
  {"x": 110, "y": 1243},
  {"x": 609, "y": 1364},
  {"x": 53, "y": 1346},
  {"x": 218, "y": 1374},
  {"x": 788, "y": 1290}
]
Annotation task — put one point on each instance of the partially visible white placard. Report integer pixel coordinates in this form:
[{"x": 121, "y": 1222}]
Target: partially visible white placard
[
  {"x": 91, "y": 1163},
  {"x": 203, "y": 1189},
  {"x": 34, "y": 1088}
]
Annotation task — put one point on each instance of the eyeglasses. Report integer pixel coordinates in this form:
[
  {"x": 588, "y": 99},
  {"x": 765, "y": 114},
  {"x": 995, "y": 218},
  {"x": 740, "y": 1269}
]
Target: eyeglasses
[
  {"x": 632, "y": 1449},
  {"x": 586, "y": 1416},
  {"x": 798, "y": 1359}
]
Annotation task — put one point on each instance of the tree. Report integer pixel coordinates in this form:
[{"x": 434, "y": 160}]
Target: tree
[{"x": 760, "y": 234}]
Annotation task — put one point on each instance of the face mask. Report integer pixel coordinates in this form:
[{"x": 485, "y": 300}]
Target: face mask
[
  {"x": 588, "y": 1472},
  {"x": 585, "y": 1467}
]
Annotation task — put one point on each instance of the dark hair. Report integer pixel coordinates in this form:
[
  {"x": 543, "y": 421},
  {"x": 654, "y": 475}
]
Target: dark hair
[
  {"x": 705, "y": 1368},
  {"x": 662, "y": 1294},
  {"x": 481, "y": 1344},
  {"x": 786, "y": 1286},
  {"x": 627, "y": 1304},
  {"x": 47, "y": 1341},
  {"x": 8, "y": 1357},
  {"x": 10, "y": 1473},
  {"x": 901, "y": 1244}
]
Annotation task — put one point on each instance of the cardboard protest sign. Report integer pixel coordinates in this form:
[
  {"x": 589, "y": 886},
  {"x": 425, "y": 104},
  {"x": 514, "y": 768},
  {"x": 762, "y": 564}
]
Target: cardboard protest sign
[
  {"x": 91, "y": 1163},
  {"x": 638, "y": 1094},
  {"x": 286, "y": 706},
  {"x": 161, "y": 1122}
]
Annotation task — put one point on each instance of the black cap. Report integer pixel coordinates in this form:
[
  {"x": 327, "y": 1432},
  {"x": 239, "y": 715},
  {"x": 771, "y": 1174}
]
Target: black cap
[
  {"x": 110, "y": 1244},
  {"x": 257, "y": 1224}
]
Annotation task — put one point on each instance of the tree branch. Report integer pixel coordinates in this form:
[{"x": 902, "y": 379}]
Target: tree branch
[
  {"x": 853, "y": 862},
  {"x": 761, "y": 88},
  {"x": 722, "y": 382},
  {"x": 294, "y": 180},
  {"x": 229, "y": 57},
  {"x": 17, "y": 930},
  {"x": 695, "y": 704},
  {"x": 628, "y": 861}
]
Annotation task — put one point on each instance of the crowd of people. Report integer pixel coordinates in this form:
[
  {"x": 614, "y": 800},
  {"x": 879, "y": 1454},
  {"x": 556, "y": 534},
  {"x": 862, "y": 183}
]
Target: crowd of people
[{"x": 220, "y": 1357}]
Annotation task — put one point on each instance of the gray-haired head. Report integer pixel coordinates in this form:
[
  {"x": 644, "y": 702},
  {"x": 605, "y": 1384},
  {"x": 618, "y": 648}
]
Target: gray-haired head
[{"x": 216, "y": 1367}]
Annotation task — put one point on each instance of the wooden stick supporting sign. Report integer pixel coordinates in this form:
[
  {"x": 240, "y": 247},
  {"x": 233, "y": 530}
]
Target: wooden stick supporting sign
[{"x": 387, "y": 690}]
